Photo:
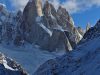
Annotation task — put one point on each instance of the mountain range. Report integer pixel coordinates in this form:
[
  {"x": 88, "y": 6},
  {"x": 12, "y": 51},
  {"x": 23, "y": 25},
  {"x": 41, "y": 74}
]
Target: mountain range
[{"x": 50, "y": 35}]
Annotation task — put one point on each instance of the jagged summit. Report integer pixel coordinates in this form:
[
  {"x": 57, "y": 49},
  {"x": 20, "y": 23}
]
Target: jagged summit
[
  {"x": 98, "y": 24},
  {"x": 49, "y": 24},
  {"x": 88, "y": 26},
  {"x": 38, "y": 6},
  {"x": 2, "y": 6},
  {"x": 3, "y": 9},
  {"x": 40, "y": 25},
  {"x": 25, "y": 35},
  {"x": 93, "y": 32}
]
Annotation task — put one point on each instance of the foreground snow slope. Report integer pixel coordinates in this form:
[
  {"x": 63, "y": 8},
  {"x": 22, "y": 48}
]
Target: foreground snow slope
[
  {"x": 29, "y": 57},
  {"x": 85, "y": 60}
]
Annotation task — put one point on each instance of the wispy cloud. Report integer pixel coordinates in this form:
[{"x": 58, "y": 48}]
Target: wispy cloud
[
  {"x": 19, "y": 4},
  {"x": 56, "y": 3},
  {"x": 73, "y": 6}
]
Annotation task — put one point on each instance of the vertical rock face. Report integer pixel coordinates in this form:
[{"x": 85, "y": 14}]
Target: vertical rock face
[
  {"x": 29, "y": 25},
  {"x": 50, "y": 15},
  {"x": 39, "y": 7},
  {"x": 48, "y": 24},
  {"x": 80, "y": 30},
  {"x": 64, "y": 19},
  {"x": 29, "y": 15},
  {"x": 32, "y": 10},
  {"x": 58, "y": 41},
  {"x": 3, "y": 10}
]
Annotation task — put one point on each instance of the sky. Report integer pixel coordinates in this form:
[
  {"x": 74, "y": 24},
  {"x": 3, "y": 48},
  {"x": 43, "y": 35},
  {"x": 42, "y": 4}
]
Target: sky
[{"x": 82, "y": 11}]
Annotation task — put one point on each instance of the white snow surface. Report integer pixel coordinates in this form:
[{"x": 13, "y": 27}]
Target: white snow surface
[
  {"x": 6, "y": 66},
  {"x": 59, "y": 28},
  {"x": 85, "y": 60},
  {"x": 46, "y": 29},
  {"x": 28, "y": 56}
]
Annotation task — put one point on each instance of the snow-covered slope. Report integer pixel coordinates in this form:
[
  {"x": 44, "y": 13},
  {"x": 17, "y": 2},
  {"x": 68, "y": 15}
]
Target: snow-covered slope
[
  {"x": 29, "y": 57},
  {"x": 84, "y": 60}
]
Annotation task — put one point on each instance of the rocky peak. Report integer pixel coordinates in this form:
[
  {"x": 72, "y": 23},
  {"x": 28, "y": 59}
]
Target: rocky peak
[
  {"x": 3, "y": 10},
  {"x": 1, "y": 7},
  {"x": 46, "y": 8},
  {"x": 49, "y": 9},
  {"x": 39, "y": 7},
  {"x": 10, "y": 67},
  {"x": 88, "y": 26},
  {"x": 93, "y": 32},
  {"x": 49, "y": 26},
  {"x": 64, "y": 19},
  {"x": 81, "y": 31},
  {"x": 62, "y": 11},
  {"x": 29, "y": 16},
  {"x": 98, "y": 24}
]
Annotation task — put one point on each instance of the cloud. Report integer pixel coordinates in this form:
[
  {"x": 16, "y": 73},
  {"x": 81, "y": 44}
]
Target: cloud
[
  {"x": 73, "y": 6},
  {"x": 19, "y": 4},
  {"x": 56, "y": 3}
]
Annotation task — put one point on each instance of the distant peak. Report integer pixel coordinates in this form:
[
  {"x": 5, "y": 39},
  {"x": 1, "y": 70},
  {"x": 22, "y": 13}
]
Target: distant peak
[
  {"x": 88, "y": 26},
  {"x": 2, "y": 6},
  {"x": 98, "y": 24},
  {"x": 98, "y": 21}
]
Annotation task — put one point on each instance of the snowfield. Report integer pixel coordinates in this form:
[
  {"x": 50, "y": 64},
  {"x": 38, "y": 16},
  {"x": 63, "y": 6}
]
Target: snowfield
[{"x": 29, "y": 57}]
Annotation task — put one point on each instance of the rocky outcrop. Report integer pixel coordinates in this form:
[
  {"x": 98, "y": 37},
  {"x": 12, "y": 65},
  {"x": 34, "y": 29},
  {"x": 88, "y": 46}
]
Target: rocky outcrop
[
  {"x": 31, "y": 12},
  {"x": 88, "y": 26},
  {"x": 3, "y": 10},
  {"x": 39, "y": 7},
  {"x": 58, "y": 41},
  {"x": 93, "y": 32},
  {"x": 64, "y": 19},
  {"x": 81, "y": 31},
  {"x": 10, "y": 67},
  {"x": 50, "y": 15}
]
